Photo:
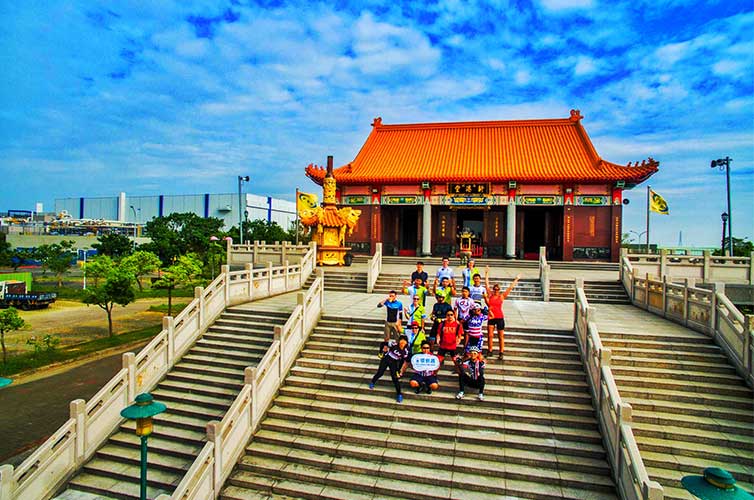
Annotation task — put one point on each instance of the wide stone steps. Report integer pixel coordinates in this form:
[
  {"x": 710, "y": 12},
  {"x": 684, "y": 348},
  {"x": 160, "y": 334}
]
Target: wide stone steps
[
  {"x": 342, "y": 281},
  {"x": 431, "y": 263},
  {"x": 199, "y": 388},
  {"x": 328, "y": 435},
  {"x": 597, "y": 292},
  {"x": 691, "y": 410},
  {"x": 527, "y": 289}
]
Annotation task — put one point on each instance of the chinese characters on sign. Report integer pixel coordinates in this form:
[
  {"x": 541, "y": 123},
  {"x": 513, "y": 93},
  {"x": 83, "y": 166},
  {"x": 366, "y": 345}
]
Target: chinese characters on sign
[
  {"x": 468, "y": 188},
  {"x": 400, "y": 200}
]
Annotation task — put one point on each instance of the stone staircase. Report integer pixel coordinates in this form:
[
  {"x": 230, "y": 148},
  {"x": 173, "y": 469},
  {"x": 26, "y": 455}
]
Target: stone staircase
[
  {"x": 527, "y": 289},
  {"x": 199, "y": 388},
  {"x": 597, "y": 292},
  {"x": 690, "y": 408},
  {"x": 432, "y": 263},
  {"x": 327, "y": 436},
  {"x": 341, "y": 281}
]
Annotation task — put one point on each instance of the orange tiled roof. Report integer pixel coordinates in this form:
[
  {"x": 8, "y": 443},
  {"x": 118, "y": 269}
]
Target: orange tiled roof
[{"x": 555, "y": 150}]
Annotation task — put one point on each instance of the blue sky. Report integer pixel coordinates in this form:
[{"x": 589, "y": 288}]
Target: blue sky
[{"x": 181, "y": 97}]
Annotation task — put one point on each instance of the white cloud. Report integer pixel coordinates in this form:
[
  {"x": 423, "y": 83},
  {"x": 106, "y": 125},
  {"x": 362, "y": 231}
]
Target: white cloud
[
  {"x": 584, "y": 66},
  {"x": 522, "y": 77},
  {"x": 566, "y": 4}
]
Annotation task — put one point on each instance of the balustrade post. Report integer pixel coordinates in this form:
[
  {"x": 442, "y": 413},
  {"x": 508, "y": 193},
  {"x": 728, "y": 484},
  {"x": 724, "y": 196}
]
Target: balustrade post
[
  {"x": 225, "y": 269},
  {"x": 278, "y": 335},
  {"x": 287, "y": 275},
  {"x": 129, "y": 363},
  {"x": 321, "y": 274},
  {"x": 7, "y": 484},
  {"x": 663, "y": 262},
  {"x": 647, "y": 277},
  {"x": 229, "y": 251},
  {"x": 301, "y": 300},
  {"x": 706, "y": 266},
  {"x": 269, "y": 277},
  {"x": 653, "y": 491},
  {"x": 664, "y": 296},
  {"x": 714, "y": 314},
  {"x": 625, "y": 416},
  {"x": 688, "y": 284},
  {"x": 77, "y": 410},
  {"x": 751, "y": 268},
  {"x": 284, "y": 254},
  {"x": 249, "y": 268},
  {"x": 199, "y": 294},
  {"x": 748, "y": 356},
  {"x": 168, "y": 324},
  {"x": 214, "y": 436},
  {"x": 255, "y": 252},
  {"x": 250, "y": 378}
]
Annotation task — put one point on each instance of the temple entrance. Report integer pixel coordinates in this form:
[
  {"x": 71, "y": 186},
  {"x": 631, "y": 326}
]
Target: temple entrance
[
  {"x": 541, "y": 227},
  {"x": 471, "y": 221},
  {"x": 408, "y": 221}
]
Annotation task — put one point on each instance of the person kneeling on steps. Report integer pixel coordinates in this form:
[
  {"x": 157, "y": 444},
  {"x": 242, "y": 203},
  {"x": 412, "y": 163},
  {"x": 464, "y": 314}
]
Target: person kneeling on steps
[
  {"x": 471, "y": 373},
  {"x": 425, "y": 380}
]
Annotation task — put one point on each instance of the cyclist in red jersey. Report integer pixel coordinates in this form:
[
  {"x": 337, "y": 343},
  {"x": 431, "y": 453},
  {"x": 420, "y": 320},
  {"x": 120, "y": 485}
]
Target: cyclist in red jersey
[{"x": 496, "y": 317}]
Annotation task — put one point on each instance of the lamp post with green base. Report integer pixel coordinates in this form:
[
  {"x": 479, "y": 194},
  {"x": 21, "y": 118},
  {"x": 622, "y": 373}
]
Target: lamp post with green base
[
  {"x": 4, "y": 382},
  {"x": 143, "y": 409},
  {"x": 715, "y": 484}
]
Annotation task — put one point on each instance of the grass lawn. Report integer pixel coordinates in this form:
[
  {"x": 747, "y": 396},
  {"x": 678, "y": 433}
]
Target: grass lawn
[{"x": 30, "y": 360}]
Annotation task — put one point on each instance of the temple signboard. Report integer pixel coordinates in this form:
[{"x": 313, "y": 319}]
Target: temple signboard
[
  {"x": 400, "y": 200},
  {"x": 540, "y": 200},
  {"x": 593, "y": 201},
  {"x": 468, "y": 188}
]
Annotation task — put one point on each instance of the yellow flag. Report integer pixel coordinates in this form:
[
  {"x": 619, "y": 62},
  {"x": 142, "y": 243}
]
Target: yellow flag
[
  {"x": 306, "y": 201},
  {"x": 657, "y": 203}
]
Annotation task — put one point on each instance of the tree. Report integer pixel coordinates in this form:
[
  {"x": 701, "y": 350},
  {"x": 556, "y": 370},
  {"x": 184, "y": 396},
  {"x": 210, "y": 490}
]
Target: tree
[
  {"x": 9, "y": 321},
  {"x": 742, "y": 247},
  {"x": 140, "y": 263},
  {"x": 262, "y": 230},
  {"x": 98, "y": 268},
  {"x": 57, "y": 257},
  {"x": 114, "y": 245},
  {"x": 185, "y": 272},
  {"x": 5, "y": 252},
  {"x": 116, "y": 289},
  {"x": 179, "y": 234}
]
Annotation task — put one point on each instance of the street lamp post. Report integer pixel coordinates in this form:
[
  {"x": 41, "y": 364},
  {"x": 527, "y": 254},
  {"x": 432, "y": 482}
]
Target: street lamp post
[
  {"x": 724, "y": 163},
  {"x": 241, "y": 180},
  {"x": 724, "y": 216},
  {"x": 143, "y": 409}
]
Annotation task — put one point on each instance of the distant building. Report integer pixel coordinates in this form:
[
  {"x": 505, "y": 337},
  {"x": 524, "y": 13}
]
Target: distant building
[{"x": 141, "y": 209}]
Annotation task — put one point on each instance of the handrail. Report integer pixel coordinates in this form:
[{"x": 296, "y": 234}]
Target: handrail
[
  {"x": 544, "y": 274},
  {"x": 92, "y": 422},
  {"x": 262, "y": 252},
  {"x": 706, "y": 267},
  {"x": 614, "y": 416},
  {"x": 227, "y": 439},
  {"x": 374, "y": 268}
]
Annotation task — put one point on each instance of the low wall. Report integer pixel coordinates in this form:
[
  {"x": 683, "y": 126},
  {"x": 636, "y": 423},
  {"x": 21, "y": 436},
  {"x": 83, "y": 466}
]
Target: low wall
[
  {"x": 705, "y": 268},
  {"x": 261, "y": 253}
]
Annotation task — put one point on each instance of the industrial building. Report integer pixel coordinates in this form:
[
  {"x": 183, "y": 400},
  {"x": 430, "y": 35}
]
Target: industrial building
[{"x": 141, "y": 209}]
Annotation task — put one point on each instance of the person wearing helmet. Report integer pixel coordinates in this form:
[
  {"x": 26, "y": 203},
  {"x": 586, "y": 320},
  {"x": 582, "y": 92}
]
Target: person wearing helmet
[
  {"x": 471, "y": 373},
  {"x": 395, "y": 358},
  {"x": 474, "y": 328}
]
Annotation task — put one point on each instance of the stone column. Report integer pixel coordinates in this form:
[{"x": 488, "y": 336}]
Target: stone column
[
  {"x": 510, "y": 237},
  {"x": 427, "y": 228}
]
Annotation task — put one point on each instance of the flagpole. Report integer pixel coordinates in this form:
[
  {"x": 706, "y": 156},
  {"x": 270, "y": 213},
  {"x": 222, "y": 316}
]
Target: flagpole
[
  {"x": 296, "y": 209},
  {"x": 648, "y": 189}
]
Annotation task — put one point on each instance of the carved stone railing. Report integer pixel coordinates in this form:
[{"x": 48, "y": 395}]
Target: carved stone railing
[
  {"x": 91, "y": 422},
  {"x": 227, "y": 439},
  {"x": 544, "y": 274},
  {"x": 706, "y": 311},
  {"x": 261, "y": 253},
  {"x": 374, "y": 267},
  {"x": 614, "y": 416},
  {"x": 705, "y": 268}
]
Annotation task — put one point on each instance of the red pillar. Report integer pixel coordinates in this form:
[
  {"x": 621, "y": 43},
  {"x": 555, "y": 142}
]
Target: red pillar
[
  {"x": 568, "y": 233},
  {"x": 616, "y": 224}
]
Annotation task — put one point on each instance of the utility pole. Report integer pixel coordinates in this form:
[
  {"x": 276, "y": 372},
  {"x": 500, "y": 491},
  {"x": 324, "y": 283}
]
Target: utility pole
[{"x": 241, "y": 206}]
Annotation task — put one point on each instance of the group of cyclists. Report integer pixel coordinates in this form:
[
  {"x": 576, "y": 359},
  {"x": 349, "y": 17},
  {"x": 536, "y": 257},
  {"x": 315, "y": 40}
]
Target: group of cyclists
[{"x": 453, "y": 329}]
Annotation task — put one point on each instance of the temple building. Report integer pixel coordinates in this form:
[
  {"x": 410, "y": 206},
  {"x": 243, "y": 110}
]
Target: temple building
[{"x": 514, "y": 186}]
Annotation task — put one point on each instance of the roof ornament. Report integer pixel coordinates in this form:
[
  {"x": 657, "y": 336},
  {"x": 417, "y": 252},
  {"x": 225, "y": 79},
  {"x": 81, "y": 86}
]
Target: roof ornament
[
  {"x": 377, "y": 122},
  {"x": 576, "y": 115}
]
